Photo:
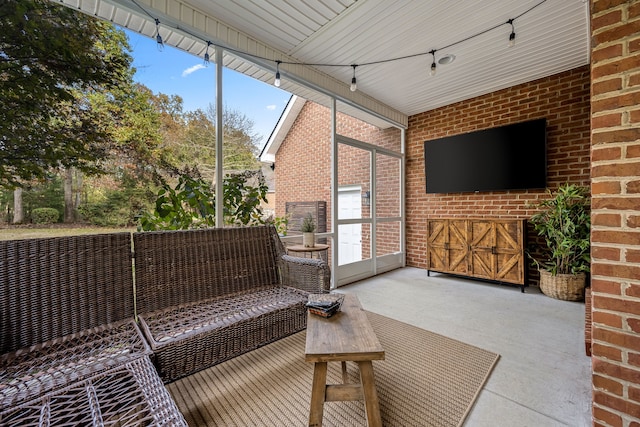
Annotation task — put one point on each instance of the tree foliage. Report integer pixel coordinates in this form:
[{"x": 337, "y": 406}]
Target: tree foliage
[
  {"x": 49, "y": 53},
  {"x": 68, "y": 100},
  {"x": 189, "y": 137},
  {"x": 192, "y": 204}
]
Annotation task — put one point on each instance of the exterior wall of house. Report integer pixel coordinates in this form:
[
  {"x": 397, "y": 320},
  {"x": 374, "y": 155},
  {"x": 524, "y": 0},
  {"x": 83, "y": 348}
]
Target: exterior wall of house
[
  {"x": 303, "y": 167},
  {"x": 563, "y": 99},
  {"x": 615, "y": 236}
]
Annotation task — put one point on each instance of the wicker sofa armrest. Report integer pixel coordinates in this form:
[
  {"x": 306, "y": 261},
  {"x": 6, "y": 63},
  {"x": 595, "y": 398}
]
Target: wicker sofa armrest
[
  {"x": 310, "y": 275},
  {"x": 33, "y": 372}
]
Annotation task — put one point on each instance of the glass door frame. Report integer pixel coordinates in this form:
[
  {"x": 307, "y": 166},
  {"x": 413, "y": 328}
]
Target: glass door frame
[{"x": 342, "y": 275}]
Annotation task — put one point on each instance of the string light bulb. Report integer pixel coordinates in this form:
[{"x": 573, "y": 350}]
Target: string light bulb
[
  {"x": 433, "y": 64},
  {"x": 276, "y": 82},
  {"x": 512, "y": 36},
  {"x": 206, "y": 54},
  {"x": 159, "y": 41},
  {"x": 354, "y": 85}
]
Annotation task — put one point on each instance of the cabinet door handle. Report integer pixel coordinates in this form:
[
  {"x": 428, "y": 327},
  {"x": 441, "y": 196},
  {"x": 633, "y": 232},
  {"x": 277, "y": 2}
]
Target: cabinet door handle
[{"x": 493, "y": 250}]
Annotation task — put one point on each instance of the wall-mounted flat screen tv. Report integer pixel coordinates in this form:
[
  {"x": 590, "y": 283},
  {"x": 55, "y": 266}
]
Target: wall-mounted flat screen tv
[{"x": 512, "y": 157}]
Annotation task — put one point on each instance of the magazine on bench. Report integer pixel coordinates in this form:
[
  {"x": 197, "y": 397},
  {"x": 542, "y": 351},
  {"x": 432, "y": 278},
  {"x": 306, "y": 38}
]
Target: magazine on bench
[{"x": 324, "y": 305}]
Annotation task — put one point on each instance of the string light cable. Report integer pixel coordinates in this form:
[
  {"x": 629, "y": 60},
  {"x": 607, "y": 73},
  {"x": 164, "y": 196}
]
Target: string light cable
[{"x": 353, "y": 86}]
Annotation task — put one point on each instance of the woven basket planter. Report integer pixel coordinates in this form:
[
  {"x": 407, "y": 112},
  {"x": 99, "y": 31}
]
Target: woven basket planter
[{"x": 567, "y": 287}]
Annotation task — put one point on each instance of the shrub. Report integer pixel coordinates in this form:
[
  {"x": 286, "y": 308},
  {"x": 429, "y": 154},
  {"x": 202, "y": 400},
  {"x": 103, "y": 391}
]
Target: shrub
[
  {"x": 45, "y": 215},
  {"x": 191, "y": 203},
  {"x": 115, "y": 208}
]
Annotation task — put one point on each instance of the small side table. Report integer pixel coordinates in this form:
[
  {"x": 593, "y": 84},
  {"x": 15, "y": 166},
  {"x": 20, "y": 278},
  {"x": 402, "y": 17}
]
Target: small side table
[{"x": 319, "y": 250}]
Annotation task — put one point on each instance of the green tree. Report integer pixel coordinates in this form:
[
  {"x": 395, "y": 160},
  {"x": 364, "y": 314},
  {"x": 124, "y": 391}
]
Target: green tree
[
  {"x": 137, "y": 159},
  {"x": 69, "y": 102},
  {"x": 189, "y": 137},
  {"x": 241, "y": 141},
  {"x": 49, "y": 53}
]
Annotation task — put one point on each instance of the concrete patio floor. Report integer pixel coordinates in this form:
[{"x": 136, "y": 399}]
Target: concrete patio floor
[{"x": 543, "y": 377}]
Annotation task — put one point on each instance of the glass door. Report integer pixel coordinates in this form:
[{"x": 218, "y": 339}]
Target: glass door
[{"x": 369, "y": 224}]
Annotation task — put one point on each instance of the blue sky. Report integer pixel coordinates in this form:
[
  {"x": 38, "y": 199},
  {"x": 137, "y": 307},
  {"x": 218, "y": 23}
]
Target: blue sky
[{"x": 172, "y": 71}]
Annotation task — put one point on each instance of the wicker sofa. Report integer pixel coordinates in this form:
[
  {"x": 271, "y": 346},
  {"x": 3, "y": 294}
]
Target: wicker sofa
[
  {"x": 71, "y": 352},
  {"x": 205, "y": 296}
]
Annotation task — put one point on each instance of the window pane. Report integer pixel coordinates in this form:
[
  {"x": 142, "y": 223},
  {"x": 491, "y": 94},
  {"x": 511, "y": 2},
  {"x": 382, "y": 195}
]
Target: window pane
[
  {"x": 388, "y": 238},
  {"x": 387, "y": 186}
]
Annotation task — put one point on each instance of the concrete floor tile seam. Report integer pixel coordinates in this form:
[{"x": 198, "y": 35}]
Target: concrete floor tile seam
[{"x": 528, "y": 408}]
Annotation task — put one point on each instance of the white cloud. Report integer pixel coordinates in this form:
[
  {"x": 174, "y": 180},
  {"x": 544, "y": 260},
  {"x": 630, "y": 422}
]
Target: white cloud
[
  {"x": 271, "y": 107},
  {"x": 193, "y": 69}
]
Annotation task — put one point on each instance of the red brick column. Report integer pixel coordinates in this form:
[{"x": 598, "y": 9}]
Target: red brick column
[{"x": 615, "y": 173}]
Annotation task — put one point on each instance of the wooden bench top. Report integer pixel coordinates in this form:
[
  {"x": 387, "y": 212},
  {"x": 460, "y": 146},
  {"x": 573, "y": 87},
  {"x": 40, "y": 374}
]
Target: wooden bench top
[{"x": 346, "y": 336}]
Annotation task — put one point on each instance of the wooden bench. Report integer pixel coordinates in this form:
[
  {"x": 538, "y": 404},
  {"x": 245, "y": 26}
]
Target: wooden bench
[
  {"x": 71, "y": 352},
  {"x": 346, "y": 336},
  {"x": 205, "y": 296}
]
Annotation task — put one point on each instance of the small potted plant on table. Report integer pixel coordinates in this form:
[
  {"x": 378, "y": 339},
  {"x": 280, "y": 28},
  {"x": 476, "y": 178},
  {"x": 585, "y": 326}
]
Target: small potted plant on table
[
  {"x": 565, "y": 223},
  {"x": 308, "y": 229}
]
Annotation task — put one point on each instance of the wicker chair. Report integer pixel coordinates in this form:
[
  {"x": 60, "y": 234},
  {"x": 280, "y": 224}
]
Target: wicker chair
[
  {"x": 205, "y": 296},
  {"x": 72, "y": 353}
]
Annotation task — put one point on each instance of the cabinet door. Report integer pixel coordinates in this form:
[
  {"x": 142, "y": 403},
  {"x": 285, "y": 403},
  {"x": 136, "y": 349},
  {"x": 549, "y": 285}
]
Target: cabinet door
[
  {"x": 447, "y": 246},
  {"x": 481, "y": 252},
  {"x": 458, "y": 247},
  {"x": 437, "y": 253},
  {"x": 509, "y": 251}
]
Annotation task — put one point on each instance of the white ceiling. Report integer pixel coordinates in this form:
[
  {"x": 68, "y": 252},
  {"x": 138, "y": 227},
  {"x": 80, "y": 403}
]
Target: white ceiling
[{"x": 551, "y": 37}]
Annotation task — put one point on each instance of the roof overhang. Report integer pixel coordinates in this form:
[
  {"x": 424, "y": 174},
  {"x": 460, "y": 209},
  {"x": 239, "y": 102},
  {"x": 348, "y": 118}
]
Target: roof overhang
[
  {"x": 394, "y": 44},
  {"x": 188, "y": 28}
]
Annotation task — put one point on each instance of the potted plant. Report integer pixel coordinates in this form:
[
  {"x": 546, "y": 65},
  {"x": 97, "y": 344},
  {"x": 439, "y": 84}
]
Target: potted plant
[
  {"x": 308, "y": 229},
  {"x": 564, "y": 222}
]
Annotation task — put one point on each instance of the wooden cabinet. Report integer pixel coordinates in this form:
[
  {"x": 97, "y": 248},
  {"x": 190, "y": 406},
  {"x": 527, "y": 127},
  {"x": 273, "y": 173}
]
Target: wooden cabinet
[{"x": 491, "y": 249}]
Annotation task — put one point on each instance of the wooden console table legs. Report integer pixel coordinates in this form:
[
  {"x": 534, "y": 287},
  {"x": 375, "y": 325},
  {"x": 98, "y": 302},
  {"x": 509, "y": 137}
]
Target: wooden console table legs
[{"x": 365, "y": 390}]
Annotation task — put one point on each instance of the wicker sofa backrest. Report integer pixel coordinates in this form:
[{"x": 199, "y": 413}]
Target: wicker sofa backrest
[
  {"x": 173, "y": 268},
  {"x": 53, "y": 287}
]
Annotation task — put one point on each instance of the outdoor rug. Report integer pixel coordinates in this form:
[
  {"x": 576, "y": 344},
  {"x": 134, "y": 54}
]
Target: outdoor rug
[{"x": 426, "y": 379}]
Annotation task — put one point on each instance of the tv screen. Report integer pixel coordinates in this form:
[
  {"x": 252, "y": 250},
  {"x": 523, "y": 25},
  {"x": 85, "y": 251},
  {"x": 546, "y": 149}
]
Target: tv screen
[{"x": 512, "y": 157}]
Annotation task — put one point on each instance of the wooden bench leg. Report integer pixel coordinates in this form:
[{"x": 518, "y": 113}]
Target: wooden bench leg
[
  {"x": 370, "y": 395},
  {"x": 318, "y": 394}
]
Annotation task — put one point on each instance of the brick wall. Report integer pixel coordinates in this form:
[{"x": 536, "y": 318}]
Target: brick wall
[
  {"x": 562, "y": 99},
  {"x": 615, "y": 237},
  {"x": 303, "y": 166}
]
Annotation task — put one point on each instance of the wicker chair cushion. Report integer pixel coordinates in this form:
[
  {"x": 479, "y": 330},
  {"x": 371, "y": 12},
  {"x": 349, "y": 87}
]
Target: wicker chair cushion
[
  {"x": 29, "y": 373},
  {"x": 167, "y": 326},
  {"x": 126, "y": 395}
]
